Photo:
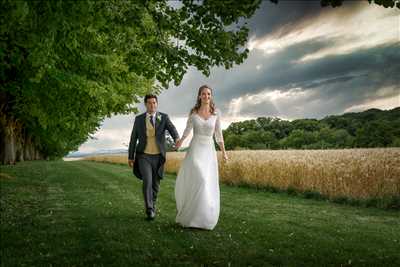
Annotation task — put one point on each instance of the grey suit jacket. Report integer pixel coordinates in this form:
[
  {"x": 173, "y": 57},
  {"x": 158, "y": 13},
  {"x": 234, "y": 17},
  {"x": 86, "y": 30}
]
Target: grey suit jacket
[{"x": 138, "y": 140}]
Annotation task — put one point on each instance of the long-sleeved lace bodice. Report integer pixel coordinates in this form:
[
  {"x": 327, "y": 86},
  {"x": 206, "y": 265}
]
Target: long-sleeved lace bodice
[{"x": 200, "y": 126}]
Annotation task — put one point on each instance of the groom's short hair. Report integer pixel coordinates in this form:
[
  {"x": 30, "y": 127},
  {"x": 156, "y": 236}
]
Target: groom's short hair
[{"x": 150, "y": 96}]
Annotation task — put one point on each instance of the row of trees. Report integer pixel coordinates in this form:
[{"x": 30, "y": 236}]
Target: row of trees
[{"x": 370, "y": 128}]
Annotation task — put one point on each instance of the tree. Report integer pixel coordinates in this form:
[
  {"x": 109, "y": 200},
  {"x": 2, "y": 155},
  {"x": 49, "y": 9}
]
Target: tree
[
  {"x": 66, "y": 65},
  {"x": 374, "y": 134},
  {"x": 299, "y": 138},
  {"x": 306, "y": 124},
  {"x": 342, "y": 139},
  {"x": 232, "y": 141}
]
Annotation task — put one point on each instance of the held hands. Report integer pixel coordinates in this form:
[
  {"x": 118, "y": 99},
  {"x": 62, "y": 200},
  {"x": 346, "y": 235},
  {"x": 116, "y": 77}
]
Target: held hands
[{"x": 178, "y": 144}]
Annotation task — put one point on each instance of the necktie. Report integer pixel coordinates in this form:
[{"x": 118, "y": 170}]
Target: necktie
[{"x": 151, "y": 120}]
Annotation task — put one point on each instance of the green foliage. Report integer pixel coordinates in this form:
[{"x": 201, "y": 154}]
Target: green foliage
[
  {"x": 396, "y": 142},
  {"x": 299, "y": 138},
  {"x": 371, "y": 128}
]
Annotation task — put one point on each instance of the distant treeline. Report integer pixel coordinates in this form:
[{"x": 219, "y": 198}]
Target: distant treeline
[{"x": 370, "y": 128}]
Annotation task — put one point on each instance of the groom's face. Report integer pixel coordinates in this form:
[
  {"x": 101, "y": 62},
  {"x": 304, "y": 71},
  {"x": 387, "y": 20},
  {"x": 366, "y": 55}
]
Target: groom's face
[{"x": 151, "y": 105}]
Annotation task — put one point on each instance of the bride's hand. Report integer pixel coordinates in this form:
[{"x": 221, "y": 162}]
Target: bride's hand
[{"x": 225, "y": 156}]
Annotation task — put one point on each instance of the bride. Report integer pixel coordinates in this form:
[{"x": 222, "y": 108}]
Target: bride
[{"x": 197, "y": 183}]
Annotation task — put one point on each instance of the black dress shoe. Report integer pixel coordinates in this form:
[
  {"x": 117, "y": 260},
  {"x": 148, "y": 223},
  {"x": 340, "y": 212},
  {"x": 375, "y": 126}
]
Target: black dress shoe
[{"x": 151, "y": 215}]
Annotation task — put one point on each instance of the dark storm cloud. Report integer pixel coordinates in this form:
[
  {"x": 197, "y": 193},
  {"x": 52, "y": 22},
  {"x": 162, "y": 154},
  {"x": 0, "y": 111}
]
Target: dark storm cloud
[
  {"x": 280, "y": 70},
  {"x": 347, "y": 79},
  {"x": 280, "y": 19}
]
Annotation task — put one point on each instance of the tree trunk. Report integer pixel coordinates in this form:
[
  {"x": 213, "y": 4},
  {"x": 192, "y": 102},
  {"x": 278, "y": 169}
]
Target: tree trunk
[
  {"x": 9, "y": 144},
  {"x": 15, "y": 143},
  {"x": 19, "y": 142},
  {"x": 37, "y": 154},
  {"x": 2, "y": 143},
  {"x": 19, "y": 154},
  {"x": 26, "y": 147}
]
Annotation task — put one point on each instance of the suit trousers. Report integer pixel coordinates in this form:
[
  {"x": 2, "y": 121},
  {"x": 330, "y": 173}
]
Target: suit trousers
[{"x": 148, "y": 166}]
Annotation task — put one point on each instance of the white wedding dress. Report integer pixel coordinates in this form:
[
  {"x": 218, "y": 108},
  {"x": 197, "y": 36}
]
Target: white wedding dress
[{"x": 197, "y": 183}]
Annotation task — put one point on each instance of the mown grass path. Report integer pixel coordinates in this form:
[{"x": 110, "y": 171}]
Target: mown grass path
[{"x": 92, "y": 214}]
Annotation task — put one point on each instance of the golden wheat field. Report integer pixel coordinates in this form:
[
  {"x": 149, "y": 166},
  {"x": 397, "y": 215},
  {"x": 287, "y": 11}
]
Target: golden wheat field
[{"x": 357, "y": 173}]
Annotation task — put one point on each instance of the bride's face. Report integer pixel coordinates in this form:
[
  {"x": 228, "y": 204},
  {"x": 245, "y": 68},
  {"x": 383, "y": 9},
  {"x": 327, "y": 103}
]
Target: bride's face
[{"x": 205, "y": 96}]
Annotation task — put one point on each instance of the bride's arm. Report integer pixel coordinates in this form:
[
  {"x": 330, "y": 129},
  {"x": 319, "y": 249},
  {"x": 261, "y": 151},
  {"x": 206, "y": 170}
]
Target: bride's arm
[
  {"x": 186, "y": 132},
  {"x": 218, "y": 133}
]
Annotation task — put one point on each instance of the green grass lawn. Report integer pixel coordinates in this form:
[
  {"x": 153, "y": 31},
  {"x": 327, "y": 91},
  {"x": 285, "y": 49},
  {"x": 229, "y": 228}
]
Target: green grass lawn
[{"x": 92, "y": 214}]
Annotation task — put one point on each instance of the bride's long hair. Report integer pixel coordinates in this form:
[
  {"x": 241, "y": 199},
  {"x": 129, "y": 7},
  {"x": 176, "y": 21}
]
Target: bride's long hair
[{"x": 198, "y": 101}]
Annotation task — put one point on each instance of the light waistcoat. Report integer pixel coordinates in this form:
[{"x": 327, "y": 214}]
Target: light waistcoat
[{"x": 151, "y": 145}]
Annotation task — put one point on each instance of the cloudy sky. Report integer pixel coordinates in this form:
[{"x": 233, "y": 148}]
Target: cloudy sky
[{"x": 304, "y": 62}]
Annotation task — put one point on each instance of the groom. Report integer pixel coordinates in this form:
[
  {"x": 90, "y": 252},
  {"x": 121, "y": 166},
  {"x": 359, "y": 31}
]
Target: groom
[{"x": 148, "y": 156}]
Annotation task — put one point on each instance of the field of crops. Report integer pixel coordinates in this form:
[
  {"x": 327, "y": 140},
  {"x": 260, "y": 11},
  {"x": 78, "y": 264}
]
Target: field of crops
[{"x": 353, "y": 173}]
